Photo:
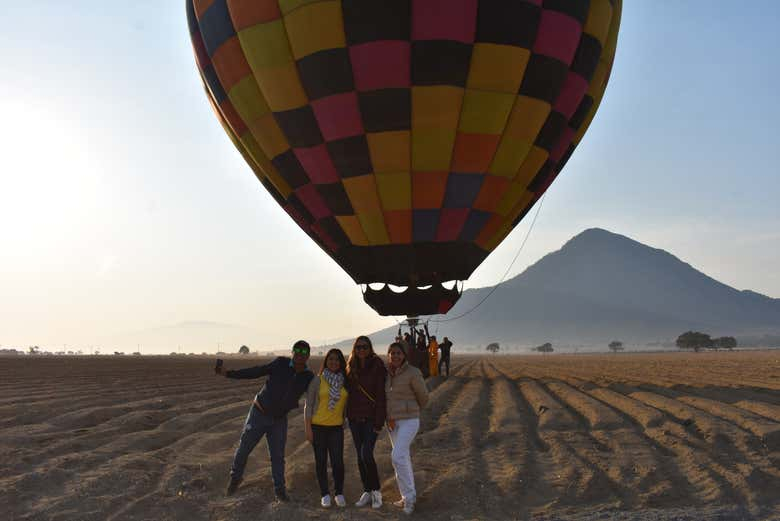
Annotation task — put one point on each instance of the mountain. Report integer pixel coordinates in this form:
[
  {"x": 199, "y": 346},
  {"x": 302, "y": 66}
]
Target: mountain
[{"x": 601, "y": 286}]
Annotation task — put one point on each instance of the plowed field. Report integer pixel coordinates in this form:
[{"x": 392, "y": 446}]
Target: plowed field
[{"x": 627, "y": 436}]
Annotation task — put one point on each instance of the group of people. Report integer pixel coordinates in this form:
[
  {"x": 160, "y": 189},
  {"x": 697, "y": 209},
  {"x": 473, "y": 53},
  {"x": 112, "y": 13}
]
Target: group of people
[
  {"x": 424, "y": 351},
  {"x": 361, "y": 391}
]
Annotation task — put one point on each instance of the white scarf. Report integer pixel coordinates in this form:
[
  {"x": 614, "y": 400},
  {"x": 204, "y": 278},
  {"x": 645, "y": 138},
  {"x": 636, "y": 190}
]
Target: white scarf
[{"x": 335, "y": 381}]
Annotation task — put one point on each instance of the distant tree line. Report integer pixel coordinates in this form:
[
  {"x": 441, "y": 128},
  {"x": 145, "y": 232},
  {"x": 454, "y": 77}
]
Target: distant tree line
[
  {"x": 544, "y": 348},
  {"x": 698, "y": 341}
]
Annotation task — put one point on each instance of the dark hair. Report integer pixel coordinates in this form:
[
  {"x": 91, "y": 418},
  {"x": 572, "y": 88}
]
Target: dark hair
[
  {"x": 302, "y": 343},
  {"x": 342, "y": 362},
  {"x": 400, "y": 346},
  {"x": 353, "y": 367}
]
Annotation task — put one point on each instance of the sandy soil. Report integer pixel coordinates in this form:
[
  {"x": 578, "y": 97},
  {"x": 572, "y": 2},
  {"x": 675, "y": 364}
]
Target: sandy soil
[{"x": 678, "y": 436}]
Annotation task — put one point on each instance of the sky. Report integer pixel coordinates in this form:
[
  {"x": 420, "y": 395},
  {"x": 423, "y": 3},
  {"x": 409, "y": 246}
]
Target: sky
[{"x": 125, "y": 209}]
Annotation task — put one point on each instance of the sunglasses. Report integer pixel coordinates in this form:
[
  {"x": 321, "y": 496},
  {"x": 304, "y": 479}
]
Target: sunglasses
[
  {"x": 300, "y": 351},
  {"x": 361, "y": 346}
]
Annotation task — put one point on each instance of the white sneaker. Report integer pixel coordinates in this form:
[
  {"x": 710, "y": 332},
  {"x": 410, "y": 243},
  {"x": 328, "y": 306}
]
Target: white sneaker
[
  {"x": 340, "y": 501},
  {"x": 376, "y": 499},
  {"x": 408, "y": 508},
  {"x": 400, "y": 503},
  {"x": 325, "y": 502},
  {"x": 364, "y": 500}
]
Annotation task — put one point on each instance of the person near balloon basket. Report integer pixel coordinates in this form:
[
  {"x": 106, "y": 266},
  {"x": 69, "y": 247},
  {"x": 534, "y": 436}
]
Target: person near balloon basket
[
  {"x": 433, "y": 357},
  {"x": 445, "y": 347},
  {"x": 422, "y": 354},
  {"x": 413, "y": 357},
  {"x": 366, "y": 412},
  {"x": 406, "y": 396}
]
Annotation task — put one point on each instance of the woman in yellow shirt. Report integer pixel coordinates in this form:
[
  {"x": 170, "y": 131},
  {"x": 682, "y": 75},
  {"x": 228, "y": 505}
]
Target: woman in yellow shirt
[{"x": 323, "y": 414}]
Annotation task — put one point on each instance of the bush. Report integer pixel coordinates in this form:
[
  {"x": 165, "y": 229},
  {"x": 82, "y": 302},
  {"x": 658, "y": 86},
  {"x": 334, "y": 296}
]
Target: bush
[
  {"x": 694, "y": 340},
  {"x": 544, "y": 348}
]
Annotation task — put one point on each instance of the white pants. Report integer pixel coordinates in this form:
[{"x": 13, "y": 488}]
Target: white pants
[{"x": 401, "y": 438}]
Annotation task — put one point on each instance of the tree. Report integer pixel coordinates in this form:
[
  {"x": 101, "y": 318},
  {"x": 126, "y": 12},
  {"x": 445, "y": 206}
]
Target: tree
[
  {"x": 616, "y": 346},
  {"x": 34, "y": 350},
  {"x": 243, "y": 350},
  {"x": 544, "y": 348},
  {"x": 493, "y": 347},
  {"x": 693, "y": 340},
  {"x": 725, "y": 342}
]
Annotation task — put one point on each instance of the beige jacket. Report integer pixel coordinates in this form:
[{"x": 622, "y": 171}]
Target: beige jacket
[{"x": 406, "y": 393}]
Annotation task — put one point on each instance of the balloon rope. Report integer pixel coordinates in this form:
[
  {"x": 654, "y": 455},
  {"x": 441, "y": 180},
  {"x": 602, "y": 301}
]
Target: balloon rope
[{"x": 520, "y": 249}]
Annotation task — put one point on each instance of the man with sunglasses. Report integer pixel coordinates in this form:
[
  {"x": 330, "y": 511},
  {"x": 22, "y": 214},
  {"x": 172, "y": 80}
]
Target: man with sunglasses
[{"x": 288, "y": 379}]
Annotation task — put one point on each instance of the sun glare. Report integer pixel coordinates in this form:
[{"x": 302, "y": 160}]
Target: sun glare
[{"x": 49, "y": 178}]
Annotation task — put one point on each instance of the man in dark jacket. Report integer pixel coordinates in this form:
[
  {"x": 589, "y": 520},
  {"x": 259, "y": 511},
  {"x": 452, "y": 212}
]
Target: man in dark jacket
[
  {"x": 445, "y": 348},
  {"x": 422, "y": 353},
  {"x": 288, "y": 379}
]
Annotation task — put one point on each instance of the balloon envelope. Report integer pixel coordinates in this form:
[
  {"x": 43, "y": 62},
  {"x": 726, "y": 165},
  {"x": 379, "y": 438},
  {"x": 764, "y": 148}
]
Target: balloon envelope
[{"x": 406, "y": 137}]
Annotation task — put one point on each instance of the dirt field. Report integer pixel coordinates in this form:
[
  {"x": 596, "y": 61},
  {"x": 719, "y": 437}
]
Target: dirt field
[{"x": 629, "y": 436}]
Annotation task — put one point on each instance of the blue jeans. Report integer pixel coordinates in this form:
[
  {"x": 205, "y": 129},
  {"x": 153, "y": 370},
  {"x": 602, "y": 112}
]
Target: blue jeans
[
  {"x": 364, "y": 436},
  {"x": 275, "y": 430}
]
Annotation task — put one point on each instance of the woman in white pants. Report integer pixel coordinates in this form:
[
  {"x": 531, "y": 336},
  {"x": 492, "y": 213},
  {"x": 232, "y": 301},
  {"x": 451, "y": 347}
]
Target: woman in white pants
[{"x": 406, "y": 395}]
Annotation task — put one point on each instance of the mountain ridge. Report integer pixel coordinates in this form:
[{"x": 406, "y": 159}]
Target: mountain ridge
[{"x": 600, "y": 286}]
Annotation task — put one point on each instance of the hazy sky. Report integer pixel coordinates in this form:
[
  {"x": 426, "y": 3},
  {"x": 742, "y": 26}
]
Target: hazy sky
[{"x": 124, "y": 206}]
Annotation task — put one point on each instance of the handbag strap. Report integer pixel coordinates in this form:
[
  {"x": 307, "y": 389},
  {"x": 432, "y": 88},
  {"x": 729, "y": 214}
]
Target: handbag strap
[{"x": 366, "y": 393}]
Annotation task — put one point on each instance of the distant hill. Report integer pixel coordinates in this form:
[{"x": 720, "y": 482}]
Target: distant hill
[{"x": 601, "y": 286}]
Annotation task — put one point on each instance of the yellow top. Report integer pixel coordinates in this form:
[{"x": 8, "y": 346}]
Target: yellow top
[{"x": 325, "y": 416}]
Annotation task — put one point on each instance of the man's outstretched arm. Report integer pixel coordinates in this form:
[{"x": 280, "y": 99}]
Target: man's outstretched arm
[{"x": 250, "y": 372}]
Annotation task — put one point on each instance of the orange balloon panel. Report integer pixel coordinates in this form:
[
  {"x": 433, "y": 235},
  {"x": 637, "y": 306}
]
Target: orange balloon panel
[{"x": 406, "y": 137}]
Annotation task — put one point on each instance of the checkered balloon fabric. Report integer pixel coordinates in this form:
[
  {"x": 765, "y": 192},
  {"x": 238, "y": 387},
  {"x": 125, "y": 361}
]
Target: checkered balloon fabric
[{"x": 406, "y": 137}]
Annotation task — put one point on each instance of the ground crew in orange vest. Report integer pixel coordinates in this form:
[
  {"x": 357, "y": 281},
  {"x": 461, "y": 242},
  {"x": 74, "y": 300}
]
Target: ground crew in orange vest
[{"x": 433, "y": 353}]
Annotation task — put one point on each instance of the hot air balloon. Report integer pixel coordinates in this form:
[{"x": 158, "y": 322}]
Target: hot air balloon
[{"x": 406, "y": 137}]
